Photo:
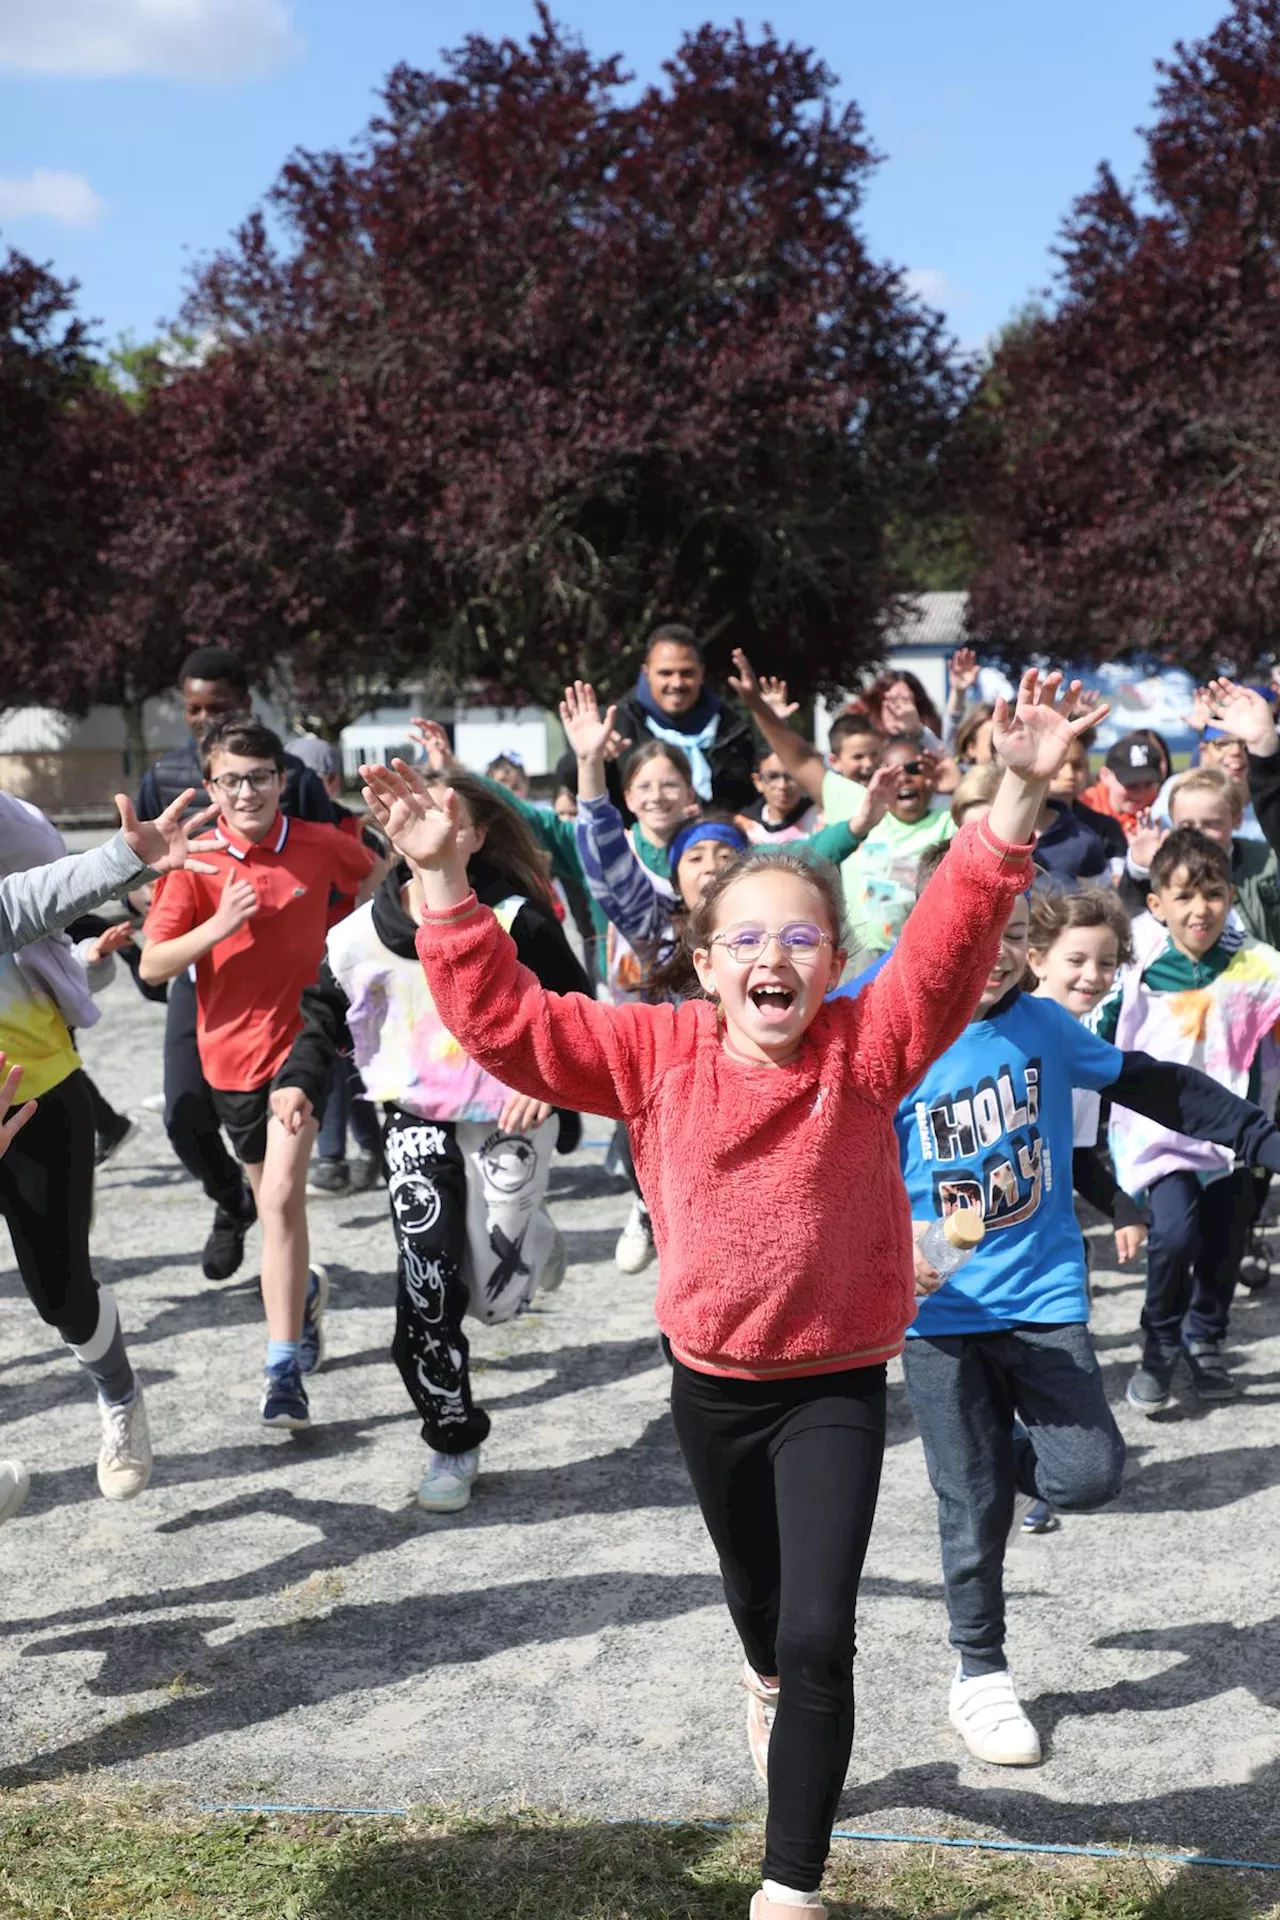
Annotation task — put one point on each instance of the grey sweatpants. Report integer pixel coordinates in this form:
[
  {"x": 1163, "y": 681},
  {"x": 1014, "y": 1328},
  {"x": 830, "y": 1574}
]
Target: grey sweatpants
[{"x": 965, "y": 1391}]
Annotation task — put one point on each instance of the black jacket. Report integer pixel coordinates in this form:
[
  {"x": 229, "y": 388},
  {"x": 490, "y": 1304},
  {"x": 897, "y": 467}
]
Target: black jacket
[{"x": 732, "y": 759}]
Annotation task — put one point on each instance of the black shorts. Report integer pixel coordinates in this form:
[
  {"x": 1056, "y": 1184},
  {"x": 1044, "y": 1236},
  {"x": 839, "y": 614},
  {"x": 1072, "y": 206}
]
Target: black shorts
[{"x": 243, "y": 1118}]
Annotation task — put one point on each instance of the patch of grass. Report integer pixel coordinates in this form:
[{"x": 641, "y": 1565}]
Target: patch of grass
[{"x": 137, "y": 1856}]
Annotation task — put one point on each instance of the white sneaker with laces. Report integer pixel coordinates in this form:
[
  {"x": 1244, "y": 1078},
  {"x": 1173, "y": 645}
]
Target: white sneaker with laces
[
  {"x": 15, "y": 1482},
  {"x": 446, "y": 1485},
  {"x": 635, "y": 1248},
  {"x": 986, "y": 1713},
  {"x": 124, "y": 1464}
]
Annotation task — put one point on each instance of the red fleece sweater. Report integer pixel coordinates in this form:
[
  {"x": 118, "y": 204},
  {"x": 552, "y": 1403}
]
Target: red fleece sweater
[{"x": 781, "y": 1221}]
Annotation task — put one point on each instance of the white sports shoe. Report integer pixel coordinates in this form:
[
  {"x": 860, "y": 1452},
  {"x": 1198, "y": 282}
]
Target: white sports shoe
[
  {"x": 14, "y": 1484},
  {"x": 124, "y": 1464},
  {"x": 635, "y": 1248},
  {"x": 986, "y": 1713},
  {"x": 446, "y": 1485}
]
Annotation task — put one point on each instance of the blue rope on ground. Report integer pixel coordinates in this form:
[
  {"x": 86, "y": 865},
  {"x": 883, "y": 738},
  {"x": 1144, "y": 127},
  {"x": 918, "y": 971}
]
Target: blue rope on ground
[{"x": 839, "y": 1833}]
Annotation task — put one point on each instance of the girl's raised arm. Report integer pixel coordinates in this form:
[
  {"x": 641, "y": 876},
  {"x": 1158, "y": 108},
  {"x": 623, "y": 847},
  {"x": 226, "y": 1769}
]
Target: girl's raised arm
[{"x": 566, "y": 1048}]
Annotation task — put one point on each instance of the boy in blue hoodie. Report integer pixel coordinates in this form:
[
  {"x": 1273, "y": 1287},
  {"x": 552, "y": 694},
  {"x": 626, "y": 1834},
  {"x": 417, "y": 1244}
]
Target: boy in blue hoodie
[{"x": 999, "y": 1367}]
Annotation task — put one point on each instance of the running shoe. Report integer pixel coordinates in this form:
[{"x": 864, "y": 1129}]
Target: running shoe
[
  {"x": 762, "y": 1705},
  {"x": 329, "y": 1177},
  {"x": 1150, "y": 1389},
  {"x": 446, "y": 1485},
  {"x": 124, "y": 1464},
  {"x": 987, "y": 1714},
  {"x": 118, "y": 1130},
  {"x": 635, "y": 1248},
  {"x": 1255, "y": 1265},
  {"x": 224, "y": 1249},
  {"x": 1038, "y": 1518},
  {"x": 311, "y": 1344},
  {"x": 1208, "y": 1370},
  {"x": 284, "y": 1399},
  {"x": 15, "y": 1483},
  {"x": 365, "y": 1172}
]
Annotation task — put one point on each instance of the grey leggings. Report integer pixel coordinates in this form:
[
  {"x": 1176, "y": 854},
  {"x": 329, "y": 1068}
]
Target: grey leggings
[{"x": 965, "y": 1392}]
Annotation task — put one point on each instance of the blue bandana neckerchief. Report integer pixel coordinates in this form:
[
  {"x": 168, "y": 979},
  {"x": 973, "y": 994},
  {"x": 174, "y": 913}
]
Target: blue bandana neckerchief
[{"x": 693, "y": 732}]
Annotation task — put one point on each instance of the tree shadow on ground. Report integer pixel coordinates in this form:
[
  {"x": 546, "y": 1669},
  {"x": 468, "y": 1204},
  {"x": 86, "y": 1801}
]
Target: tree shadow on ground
[
  {"x": 306, "y": 1660},
  {"x": 1220, "y": 1819},
  {"x": 275, "y": 1454},
  {"x": 601, "y": 1869}
]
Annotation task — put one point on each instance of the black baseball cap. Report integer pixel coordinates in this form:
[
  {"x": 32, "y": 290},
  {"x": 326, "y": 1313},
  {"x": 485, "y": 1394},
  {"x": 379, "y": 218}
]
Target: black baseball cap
[{"x": 1136, "y": 762}]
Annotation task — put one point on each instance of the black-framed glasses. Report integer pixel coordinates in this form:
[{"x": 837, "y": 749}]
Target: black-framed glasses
[
  {"x": 257, "y": 781},
  {"x": 800, "y": 940}
]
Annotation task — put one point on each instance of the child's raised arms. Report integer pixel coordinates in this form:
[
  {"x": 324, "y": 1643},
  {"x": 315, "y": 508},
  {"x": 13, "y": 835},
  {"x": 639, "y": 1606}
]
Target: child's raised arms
[
  {"x": 422, "y": 829},
  {"x": 589, "y": 733},
  {"x": 1031, "y": 742}
]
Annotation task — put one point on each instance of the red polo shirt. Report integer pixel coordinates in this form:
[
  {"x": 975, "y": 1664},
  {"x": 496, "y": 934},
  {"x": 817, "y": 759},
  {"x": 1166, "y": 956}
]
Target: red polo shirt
[{"x": 248, "y": 988}]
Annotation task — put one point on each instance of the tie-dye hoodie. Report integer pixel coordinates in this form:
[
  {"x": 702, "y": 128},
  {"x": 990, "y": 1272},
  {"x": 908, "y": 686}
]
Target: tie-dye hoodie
[{"x": 1213, "y": 1014}]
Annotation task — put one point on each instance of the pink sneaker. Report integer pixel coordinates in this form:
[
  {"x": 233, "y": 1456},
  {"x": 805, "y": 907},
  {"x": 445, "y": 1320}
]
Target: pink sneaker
[{"x": 762, "y": 1704}]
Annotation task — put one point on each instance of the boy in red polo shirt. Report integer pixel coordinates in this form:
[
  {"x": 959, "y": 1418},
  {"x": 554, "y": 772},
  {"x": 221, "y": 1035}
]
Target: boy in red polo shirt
[{"x": 254, "y": 931}]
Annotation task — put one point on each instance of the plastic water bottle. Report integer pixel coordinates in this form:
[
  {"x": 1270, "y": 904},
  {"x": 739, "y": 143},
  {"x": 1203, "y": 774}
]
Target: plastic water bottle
[{"x": 947, "y": 1244}]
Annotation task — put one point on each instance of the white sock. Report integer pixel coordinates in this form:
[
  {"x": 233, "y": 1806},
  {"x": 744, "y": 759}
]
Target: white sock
[{"x": 789, "y": 1897}]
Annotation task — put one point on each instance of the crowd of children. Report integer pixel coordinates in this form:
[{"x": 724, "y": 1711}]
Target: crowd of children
[{"x": 855, "y": 1012}]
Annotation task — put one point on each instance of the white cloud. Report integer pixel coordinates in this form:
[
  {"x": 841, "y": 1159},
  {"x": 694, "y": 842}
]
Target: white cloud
[
  {"x": 66, "y": 198},
  {"x": 180, "y": 39},
  {"x": 927, "y": 284}
]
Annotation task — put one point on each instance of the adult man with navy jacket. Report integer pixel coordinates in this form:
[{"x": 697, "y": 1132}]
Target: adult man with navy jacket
[{"x": 213, "y": 683}]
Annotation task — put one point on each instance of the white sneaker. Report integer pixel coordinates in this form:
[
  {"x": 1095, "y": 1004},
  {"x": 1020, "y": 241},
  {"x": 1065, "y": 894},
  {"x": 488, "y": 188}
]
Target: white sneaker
[
  {"x": 985, "y": 1712},
  {"x": 446, "y": 1485},
  {"x": 124, "y": 1464},
  {"x": 15, "y": 1482},
  {"x": 635, "y": 1248}
]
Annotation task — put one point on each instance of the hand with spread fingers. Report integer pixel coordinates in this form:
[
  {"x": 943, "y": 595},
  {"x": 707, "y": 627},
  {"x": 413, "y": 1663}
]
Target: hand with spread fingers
[
  {"x": 165, "y": 844},
  {"x": 1245, "y": 714}
]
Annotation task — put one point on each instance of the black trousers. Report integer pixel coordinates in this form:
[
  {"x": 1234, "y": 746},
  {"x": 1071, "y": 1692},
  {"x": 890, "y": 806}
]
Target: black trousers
[
  {"x": 427, "y": 1191},
  {"x": 786, "y": 1474},
  {"x": 46, "y": 1197},
  {"x": 189, "y": 1115},
  {"x": 1194, "y": 1247}
]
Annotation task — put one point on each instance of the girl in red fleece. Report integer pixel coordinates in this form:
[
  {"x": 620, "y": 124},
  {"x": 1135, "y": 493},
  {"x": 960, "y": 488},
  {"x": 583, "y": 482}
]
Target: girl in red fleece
[{"x": 762, "y": 1123}]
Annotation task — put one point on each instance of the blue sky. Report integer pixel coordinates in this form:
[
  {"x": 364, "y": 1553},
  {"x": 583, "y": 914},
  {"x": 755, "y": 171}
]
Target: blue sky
[{"x": 135, "y": 134}]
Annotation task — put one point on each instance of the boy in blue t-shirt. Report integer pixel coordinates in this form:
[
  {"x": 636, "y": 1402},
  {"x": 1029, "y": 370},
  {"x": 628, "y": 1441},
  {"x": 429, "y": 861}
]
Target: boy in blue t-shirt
[{"x": 1004, "y": 1339}]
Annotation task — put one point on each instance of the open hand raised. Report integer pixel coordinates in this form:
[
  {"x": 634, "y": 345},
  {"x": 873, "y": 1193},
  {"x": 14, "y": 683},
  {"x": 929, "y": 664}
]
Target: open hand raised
[
  {"x": 1034, "y": 739},
  {"x": 421, "y": 828},
  {"x": 586, "y": 728}
]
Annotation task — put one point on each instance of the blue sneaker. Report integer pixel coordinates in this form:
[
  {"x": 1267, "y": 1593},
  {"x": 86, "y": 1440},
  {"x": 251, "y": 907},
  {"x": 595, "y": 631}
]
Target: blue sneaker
[
  {"x": 284, "y": 1401},
  {"x": 1039, "y": 1518},
  {"x": 311, "y": 1343}
]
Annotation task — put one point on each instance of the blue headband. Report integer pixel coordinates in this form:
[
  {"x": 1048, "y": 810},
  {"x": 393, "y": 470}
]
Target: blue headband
[{"x": 705, "y": 830}]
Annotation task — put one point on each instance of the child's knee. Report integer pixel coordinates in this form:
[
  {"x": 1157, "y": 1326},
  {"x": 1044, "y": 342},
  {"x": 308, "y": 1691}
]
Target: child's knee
[{"x": 1091, "y": 1478}]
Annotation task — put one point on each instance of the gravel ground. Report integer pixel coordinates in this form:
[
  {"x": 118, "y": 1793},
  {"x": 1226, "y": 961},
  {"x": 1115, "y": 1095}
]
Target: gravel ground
[{"x": 275, "y": 1620}]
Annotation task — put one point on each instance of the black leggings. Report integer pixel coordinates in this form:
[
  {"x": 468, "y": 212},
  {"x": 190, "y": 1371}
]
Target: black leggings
[
  {"x": 190, "y": 1118},
  {"x": 786, "y": 1474},
  {"x": 46, "y": 1197}
]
